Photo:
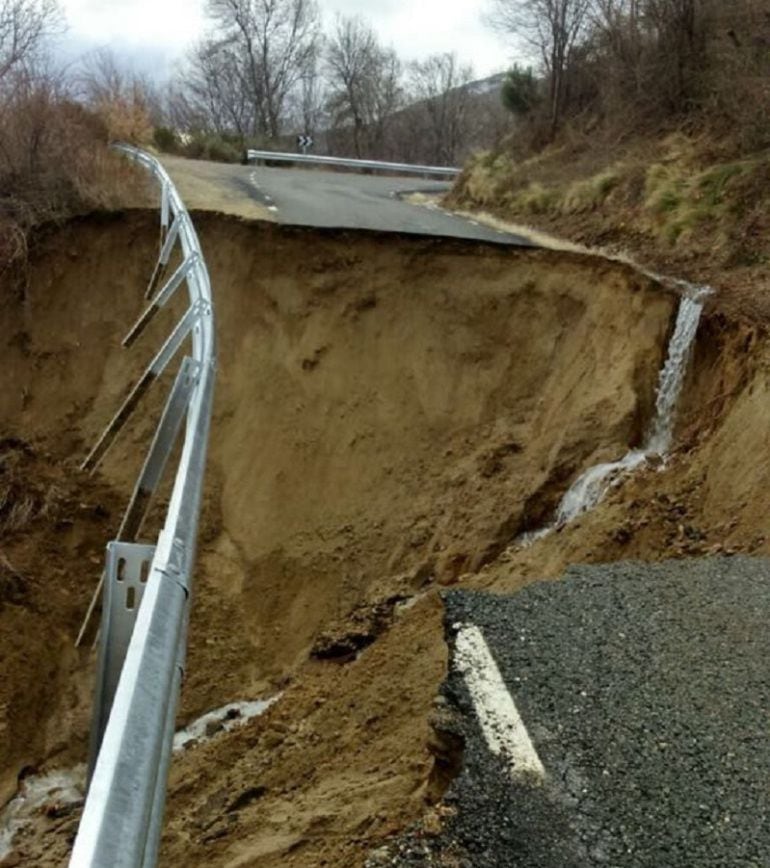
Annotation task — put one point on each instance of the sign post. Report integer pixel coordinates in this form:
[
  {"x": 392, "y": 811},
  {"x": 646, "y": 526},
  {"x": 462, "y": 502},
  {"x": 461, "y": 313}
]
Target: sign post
[{"x": 304, "y": 142}]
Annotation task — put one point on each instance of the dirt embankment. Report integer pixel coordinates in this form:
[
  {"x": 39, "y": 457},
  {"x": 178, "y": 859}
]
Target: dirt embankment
[{"x": 390, "y": 414}]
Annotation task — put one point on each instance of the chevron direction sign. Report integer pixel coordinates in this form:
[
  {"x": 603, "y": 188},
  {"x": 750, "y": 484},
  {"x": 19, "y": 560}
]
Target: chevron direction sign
[{"x": 304, "y": 142}]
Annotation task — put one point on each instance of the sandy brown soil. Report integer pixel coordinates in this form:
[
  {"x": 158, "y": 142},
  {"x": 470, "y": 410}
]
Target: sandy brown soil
[
  {"x": 708, "y": 499},
  {"x": 391, "y": 413}
]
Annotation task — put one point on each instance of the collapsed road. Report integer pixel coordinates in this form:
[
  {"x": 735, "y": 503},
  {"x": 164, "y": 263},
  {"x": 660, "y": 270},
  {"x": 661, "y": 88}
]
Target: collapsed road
[
  {"x": 392, "y": 414},
  {"x": 645, "y": 693},
  {"x": 645, "y": 689}
]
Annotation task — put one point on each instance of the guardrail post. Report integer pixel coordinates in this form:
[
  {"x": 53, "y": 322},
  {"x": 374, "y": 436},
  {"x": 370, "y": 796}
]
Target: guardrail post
[
  {"x": 161, "y": 299},
  {"x": 164, "y": 196},
  {"x": 152, "y": 471},
  {"x": 126, "y": 572},
  {"x": 156, "y": 368},
  {"x": 165, "y": 252}
]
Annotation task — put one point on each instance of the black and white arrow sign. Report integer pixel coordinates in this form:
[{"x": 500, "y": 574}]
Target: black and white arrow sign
[{"x": 304, "y": 142}]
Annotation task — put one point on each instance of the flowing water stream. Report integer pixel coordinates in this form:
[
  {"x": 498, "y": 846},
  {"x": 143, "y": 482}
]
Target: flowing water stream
[
  {"x": 64, "y": 789},
  {"x": 223, "y": 719},
  {"x": 55, "y": 791},
  {"x": 591, "y": 486}
]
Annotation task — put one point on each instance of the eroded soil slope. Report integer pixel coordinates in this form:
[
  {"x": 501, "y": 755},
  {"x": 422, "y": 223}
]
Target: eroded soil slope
[{"x": 391, "y": 414}]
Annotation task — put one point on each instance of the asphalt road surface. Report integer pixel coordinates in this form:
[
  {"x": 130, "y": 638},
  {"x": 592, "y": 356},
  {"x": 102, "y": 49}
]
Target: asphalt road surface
[
  {"x": 321, "y": 198},
  {"x": 645, "y": 691},
  {"x": 312, "y": 197}
]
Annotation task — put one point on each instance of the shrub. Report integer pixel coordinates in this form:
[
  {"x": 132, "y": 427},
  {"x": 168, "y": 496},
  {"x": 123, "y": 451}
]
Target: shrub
[
  {"x": 211, "y": 146},
  {"x": 165, "y": 139},
  {"x": 126, "y": 118},
  {"x": 590, "y": 194},
  {"x": 54, "y": 162}
]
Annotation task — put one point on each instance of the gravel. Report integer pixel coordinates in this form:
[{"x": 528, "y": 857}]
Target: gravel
[{"x": 646, "y": 691}]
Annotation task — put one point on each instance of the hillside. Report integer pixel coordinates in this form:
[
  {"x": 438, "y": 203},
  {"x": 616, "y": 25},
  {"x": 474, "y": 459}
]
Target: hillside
[{"x": 677, "y": 203}]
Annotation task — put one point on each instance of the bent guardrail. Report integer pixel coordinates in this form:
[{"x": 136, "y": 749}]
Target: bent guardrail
[
  {"x": 142, "y": 647},
  {"x": 350, "y": 163}
]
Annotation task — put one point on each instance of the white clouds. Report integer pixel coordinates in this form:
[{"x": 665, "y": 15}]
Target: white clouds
[
  {"x": 168, "y": 24},
  {"x": 415, "y": 29},
  {"x": 153, "y": 34},
  {"x": 162, "y": 29}
]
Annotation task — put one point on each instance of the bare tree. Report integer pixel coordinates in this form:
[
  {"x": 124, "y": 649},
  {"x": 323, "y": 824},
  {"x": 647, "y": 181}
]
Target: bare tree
[
  {"x": 656, "y": 51},
  {"x": 620, "y": 24},
  {"x": 311, "y": 96},
  {"x": 440, "y": 84},
  {"x": 24, "y": 27},
  {"x": 276, "y": 39},
  {"x": 352, "y": 60},
  {"x": 680, "y": 38},
  {"x": 211, "y": 92},
  {"x": 365, "y": 84},
  {"x": 553, "y": 29}
]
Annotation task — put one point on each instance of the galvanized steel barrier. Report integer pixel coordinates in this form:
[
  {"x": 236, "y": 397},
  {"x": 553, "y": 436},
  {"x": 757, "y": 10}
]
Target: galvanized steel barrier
[
  {"x": 142, "y": 647},
  {"x": 349, "y": 163}
]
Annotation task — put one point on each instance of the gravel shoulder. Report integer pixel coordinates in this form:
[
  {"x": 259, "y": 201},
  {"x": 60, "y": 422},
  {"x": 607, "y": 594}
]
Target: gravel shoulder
[{"x": 207, "y": 186}]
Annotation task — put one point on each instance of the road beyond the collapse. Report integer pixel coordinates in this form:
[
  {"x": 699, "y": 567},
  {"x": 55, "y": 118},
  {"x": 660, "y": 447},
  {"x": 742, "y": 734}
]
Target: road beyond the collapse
[{"x": 323, "y": 198}]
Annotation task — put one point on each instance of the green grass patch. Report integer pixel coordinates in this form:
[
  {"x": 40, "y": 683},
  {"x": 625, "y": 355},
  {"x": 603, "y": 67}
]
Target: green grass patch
[
  {"x": 589, "y": 194},
  {"x": 681, "y": 199},
  {"x": 713, "y": 184}
]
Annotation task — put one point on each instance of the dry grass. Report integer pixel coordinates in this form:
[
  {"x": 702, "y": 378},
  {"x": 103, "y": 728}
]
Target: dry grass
[
  {"x": 580, "y": 196},
  {"x": 23, "y": 500},
  {"x": 495, "y": 180},
  {"x": 54, "y": 162},
  {"x": 680, "y": 192},
  {"x": 591, "y": 193},
  {"x": 679, "y": 199}
]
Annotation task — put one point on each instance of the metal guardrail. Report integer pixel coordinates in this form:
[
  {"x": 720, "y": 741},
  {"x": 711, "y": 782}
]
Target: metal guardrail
[
  {"x": 142, "y": 647},
  {"x": 349, "y": 163}
]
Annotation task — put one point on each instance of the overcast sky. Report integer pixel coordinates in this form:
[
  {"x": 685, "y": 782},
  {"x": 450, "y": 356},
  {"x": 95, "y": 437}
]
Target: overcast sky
[{"x": 156, "y": 32}]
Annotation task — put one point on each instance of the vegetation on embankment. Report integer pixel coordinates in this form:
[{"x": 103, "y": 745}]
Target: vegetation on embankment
[
  {"x": 639, "y": 132},
  {"x": 55, "y": 162},
  {"x": 55, "y": 130},
  {"x": 677, "y": 204}
]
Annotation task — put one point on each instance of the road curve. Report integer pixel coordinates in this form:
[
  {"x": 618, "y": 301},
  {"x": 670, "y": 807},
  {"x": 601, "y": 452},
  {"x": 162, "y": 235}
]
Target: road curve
[{"x": 310, "y": 197}]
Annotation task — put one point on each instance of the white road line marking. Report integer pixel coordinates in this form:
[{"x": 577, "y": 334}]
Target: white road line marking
[
  {"x": 500, "y": 721},
  {"x": 267, "y": 200}
]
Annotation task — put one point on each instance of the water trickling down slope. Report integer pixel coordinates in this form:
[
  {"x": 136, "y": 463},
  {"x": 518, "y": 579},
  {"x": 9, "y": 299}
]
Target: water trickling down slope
[
  {"x": 50, "y": 793},
  {"x": 223, "y": 719},
  {"x": 591, "y": 486}
]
